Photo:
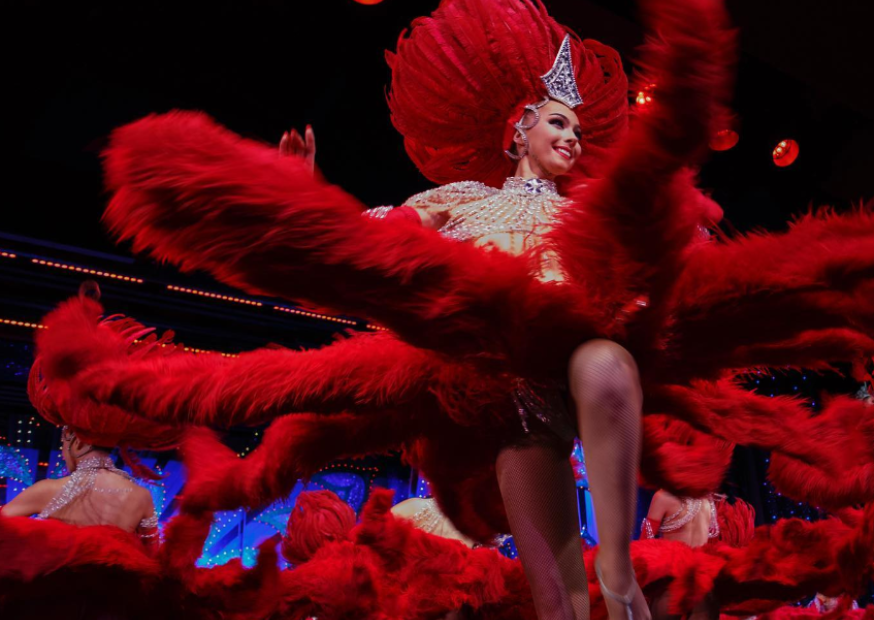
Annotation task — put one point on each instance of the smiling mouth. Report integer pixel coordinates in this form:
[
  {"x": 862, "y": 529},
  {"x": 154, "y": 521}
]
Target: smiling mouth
[{"x": 564, "y": 152}]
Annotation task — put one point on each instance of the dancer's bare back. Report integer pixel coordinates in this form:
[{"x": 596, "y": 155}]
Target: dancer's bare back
[{"x": 667, "y": 507}]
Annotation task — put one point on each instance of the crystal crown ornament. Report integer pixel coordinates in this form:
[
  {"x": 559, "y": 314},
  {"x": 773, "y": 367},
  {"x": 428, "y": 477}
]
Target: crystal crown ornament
[{"x": 560, "y": 82}]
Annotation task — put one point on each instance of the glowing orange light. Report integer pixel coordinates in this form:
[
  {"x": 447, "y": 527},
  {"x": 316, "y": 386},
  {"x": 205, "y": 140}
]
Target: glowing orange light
[
  {"x": 192, "y": 291},
  {"x": 8, "y": 255},
  {"x": 23, "y": 324},
  {"x": 785, "y": 153},
  {"x": 196, "y": 350},
  {"x": 92, "y": 272},
  {"x": 645, "y": 96},
  {"x": 315, "y": 315},
  {"x": 377, "y": 328},
  {"x": 724, "y": 139}
]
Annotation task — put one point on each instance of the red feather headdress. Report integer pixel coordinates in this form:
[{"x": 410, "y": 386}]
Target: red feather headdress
[
  {"x": 97, "y": 423},
  {"x": 462, "y": 76}
]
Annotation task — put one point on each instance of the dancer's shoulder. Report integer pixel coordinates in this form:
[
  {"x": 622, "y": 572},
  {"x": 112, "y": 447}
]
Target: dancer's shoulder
[{"x": 452, "y": 194}]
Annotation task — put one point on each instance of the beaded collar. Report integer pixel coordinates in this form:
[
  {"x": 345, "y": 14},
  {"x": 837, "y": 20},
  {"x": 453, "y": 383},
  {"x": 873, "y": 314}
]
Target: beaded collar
[{"x": 530, "y": 186}]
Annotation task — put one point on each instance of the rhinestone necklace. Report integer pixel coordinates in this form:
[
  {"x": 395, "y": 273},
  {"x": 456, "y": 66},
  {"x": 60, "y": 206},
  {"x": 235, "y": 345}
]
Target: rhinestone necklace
[{"x": 81, "y": 481}]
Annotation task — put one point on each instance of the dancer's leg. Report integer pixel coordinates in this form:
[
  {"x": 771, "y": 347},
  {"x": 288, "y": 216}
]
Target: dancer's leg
[
  {"x": 659, "y": 608},
  {"x": 537, "y": 486},
  {"x": 606, "y": 390},
  {"x": 708, "y": 609}
]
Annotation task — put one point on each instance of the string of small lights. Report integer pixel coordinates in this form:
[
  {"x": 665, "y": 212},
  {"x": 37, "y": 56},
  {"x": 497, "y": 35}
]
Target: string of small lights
[
  {"x": 88, "y": 270},
  {"x": 797, "y": 384},
  {"x": 31, "y": 325},
  {"x": 194, "y": 291},
  {"x": 27, "y": 324},
  {"x": 315, "y": 315},
  {"x": 201, "y": 351},
  {"x": 102, "y": 273}
]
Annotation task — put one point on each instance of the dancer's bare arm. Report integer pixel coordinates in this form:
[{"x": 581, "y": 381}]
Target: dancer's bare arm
[{"x": 33, "y": 499}]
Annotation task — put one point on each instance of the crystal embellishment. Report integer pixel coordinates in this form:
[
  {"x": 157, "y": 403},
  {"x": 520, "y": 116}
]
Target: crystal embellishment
[
  {"x": 530, "y": 186},
  {"x": 81, "y": 481},
  {"x": 561, "y": 82}
]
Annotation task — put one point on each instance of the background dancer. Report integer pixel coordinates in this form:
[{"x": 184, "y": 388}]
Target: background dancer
[{"x": 95, "y": 493}]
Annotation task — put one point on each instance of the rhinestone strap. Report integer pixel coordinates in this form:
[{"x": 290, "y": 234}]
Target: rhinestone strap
[
  {"x": 112, "y": 491},
  {"x": 81, "y": 481},
  {"x": 149, "y": 522},
  {"x": 377, "y": 213},
  {"x": 714, "y": 520},
  {"x": 646, "y": 529},
  {"x": 625, "y": 599},
  {"x": 428, "y": 518},
  {"x": 680, "y": 519}
]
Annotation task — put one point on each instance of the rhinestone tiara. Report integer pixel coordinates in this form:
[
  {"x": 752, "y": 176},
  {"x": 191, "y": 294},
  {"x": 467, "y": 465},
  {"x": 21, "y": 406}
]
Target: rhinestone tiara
[{"x": 561, "y": 82}]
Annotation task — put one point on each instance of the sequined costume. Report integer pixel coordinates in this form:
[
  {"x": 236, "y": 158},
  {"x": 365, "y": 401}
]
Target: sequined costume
[{"x": 515, "y": 219}]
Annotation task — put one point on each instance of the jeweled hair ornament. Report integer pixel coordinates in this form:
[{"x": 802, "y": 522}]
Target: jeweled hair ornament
[{"x": 561, "y": 81}]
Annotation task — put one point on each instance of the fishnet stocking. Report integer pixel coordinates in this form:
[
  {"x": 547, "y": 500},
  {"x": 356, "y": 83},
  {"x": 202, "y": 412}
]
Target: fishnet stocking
[
  {"x": 537, "y": 486},
  {"x": 606, "y": 390}
]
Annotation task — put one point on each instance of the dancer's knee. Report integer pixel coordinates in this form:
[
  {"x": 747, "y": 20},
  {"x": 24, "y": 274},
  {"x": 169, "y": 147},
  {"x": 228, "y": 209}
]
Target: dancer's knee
[{"x": 602, "y": 371}]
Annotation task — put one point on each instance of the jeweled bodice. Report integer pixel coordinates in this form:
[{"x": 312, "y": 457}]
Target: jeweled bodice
[{"x": 514, "y": 219}]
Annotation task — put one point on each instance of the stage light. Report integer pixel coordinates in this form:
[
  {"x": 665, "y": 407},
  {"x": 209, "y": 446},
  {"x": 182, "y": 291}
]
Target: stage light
[
  {"x": 785, "y": 153},
  {"x": 191, "y": 291},
  {"x": 23, "y": 324},
  {"x": 724, "y": 139},
  {"x": 91, "y": 272},
  {"x": 315, "y": 315},
  {"x": 368, "y": 2},
  {"x": 645, "y": 96},
  {"x": 195, "y": 349}
]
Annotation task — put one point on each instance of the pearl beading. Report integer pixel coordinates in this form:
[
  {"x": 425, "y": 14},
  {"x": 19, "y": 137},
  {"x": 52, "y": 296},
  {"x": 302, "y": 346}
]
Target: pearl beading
[
  {"x": 527, "y": 206},
  {"x": 688, "y": 511}
]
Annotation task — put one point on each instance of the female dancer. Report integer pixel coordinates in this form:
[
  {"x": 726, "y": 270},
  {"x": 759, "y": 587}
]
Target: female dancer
[
  {"x": 470, "y": 86},
  {"x": 95, "y": 493},
  {"x": 533, "y": 469}
]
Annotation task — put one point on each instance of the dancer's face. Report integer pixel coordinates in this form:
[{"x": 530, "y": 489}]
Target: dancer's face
[{"x": 554, "y": 142}]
